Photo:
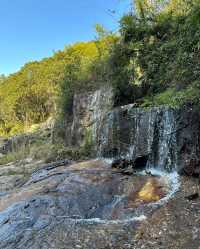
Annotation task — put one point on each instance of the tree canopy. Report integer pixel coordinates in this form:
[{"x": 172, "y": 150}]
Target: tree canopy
[{"x": 32, "y": 94}]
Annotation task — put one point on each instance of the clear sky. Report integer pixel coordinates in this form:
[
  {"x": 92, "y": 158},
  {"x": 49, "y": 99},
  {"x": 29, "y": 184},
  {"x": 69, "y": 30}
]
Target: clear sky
[{"x": 33, "y": 29}]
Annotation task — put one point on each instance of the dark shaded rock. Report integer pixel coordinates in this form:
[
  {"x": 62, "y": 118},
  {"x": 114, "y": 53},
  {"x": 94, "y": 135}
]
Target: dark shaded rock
[
  {"x": 192, "y": 197},
  {"x": 128, "y": 166},
  {"x": 53, "y": 165},
  {"x": 191, "y": 168},
  {"x": 121, "y": 163},
  {"x": 127, "y": 171},
  {"x": 141, "y": 162}
]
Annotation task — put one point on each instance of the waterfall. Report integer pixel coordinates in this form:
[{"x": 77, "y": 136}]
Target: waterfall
[
  {"x": 165, "y": 156},
  {"x": 131, "y": 133},
  {"x": 135, "y": 134}
]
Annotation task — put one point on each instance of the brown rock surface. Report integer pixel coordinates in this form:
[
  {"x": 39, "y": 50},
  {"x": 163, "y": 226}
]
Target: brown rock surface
[{"x": 82, "y": 205}]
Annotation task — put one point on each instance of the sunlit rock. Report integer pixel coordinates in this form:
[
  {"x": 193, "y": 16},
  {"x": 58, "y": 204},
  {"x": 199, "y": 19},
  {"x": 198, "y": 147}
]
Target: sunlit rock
[{"x": 151, "y": 191}]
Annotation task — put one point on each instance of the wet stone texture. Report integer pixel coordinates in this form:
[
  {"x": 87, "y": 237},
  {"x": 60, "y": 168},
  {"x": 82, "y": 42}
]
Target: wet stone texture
[
  {"x": 175, "y": 225},
  {"x": 160, "y": 137},
  {"x": 84, "y": 205}
]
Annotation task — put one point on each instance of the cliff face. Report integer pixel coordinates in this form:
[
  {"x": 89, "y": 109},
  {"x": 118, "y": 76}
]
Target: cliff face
[
  {"x": 139, "y": 134},
  {"x": 188, "y": 141},
  {"x": 159, "y": 137},
  {"x": 88, "y": 112}
]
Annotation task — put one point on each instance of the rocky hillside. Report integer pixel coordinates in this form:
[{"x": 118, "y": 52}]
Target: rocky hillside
[{"x": 108, "y": 157}]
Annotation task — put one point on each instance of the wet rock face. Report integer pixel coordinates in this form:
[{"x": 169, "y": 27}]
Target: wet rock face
[
  {"x": 146, "y": 137},
  {"x": 188, "y": 141},
  {"x": 159, "y": 137}
]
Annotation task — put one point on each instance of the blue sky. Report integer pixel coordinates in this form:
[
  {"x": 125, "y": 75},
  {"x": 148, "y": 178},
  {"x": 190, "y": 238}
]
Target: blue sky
[{"x": 33, "y": 29}]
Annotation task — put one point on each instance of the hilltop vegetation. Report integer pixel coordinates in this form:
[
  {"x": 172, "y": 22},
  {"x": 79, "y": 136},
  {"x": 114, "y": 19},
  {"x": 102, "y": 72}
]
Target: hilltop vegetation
[
  {"x": 161, "y": 48},
  {"x": 34, "y": 93},
  {"x": 153, "y": 60}
]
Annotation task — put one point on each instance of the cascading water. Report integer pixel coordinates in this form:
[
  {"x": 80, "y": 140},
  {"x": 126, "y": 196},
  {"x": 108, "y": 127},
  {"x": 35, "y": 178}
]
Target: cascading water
[
  {"x": 165, "y": 148},
  {"x": 130, "y": 133}
]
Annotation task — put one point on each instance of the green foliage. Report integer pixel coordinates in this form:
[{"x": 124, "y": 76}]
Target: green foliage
[
  {"x": 101, "y": 31},
  {"x": 86, "y": 69},
  {"x": 45, "y": 88},
  {"x": 87, "y": 149},
  {"x": 158, "y": 55},
  {"x": 28, "y": 96},
  {"x": 15, "y": 156}
]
